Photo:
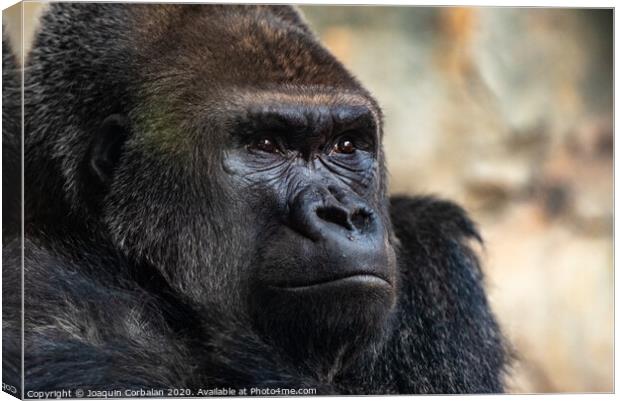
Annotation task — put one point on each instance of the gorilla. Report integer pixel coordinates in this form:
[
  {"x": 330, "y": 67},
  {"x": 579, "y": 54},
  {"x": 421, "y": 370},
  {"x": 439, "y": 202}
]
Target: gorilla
[{"x": 205, "y": 206}]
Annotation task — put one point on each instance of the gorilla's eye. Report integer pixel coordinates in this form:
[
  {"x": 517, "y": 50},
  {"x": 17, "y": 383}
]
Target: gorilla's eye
[
  {"x": 266, "y": 145},
  {"x": 344, "y": 145}
]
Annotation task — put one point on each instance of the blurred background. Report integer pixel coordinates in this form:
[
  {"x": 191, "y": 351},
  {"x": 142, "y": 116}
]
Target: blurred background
[{"x": 507, "y": 111}]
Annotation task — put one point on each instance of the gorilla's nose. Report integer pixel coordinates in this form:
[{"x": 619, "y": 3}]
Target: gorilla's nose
[
  {"x": 321, "y": 213},
  {"x": 356, "y": 218}
]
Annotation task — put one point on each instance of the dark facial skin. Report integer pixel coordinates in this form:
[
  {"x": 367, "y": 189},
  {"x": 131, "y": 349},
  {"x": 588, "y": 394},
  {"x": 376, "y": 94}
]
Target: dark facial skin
[{"x": 326, "y": 270}]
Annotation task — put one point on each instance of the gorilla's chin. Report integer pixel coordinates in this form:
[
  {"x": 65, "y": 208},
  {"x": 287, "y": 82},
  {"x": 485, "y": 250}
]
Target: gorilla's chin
[
  {"x": 326, "y": 322},
  {"x": 322, "y": 319}
]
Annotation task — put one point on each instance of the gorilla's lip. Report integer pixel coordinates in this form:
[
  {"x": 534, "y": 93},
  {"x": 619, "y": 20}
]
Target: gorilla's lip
[{"x": 361, "y": 279}]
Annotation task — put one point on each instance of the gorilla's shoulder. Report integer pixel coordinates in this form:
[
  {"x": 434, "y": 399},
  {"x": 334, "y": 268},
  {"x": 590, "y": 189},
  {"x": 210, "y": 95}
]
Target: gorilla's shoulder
[
  {"x": 443, "y": 303},
  {"x": 87, "y": 303},
  {"x": 424, "y": 215}
]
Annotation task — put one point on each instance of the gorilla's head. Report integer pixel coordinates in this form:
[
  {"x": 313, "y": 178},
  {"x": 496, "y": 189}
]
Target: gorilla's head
[{"x": 229, "y": 150}]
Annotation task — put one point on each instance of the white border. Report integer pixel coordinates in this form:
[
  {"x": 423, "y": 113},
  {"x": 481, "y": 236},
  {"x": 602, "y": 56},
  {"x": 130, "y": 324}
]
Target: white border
[{"x": 541, "y": 3}]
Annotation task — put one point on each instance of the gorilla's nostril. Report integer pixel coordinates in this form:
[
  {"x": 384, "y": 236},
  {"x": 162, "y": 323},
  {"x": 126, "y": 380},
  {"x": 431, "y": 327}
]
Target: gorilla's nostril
[
  {"x": 334, "y": 215},
  {"x": 361, "y": 219}
]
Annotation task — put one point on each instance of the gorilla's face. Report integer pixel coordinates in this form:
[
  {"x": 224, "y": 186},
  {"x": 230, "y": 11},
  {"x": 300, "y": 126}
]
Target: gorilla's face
[
  {"x": 309, "y": 173},
  {"x": 264, "y": 185},
  {"x": 279, "y": 214}
]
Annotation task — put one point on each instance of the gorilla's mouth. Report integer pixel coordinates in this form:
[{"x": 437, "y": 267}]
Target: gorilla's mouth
[{"x": 360, "y": 279}]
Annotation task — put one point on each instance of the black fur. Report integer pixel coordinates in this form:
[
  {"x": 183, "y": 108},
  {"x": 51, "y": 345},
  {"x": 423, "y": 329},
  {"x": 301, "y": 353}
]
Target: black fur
[
  {"x": 134, "y": 275},
  {"x": 11, "y": 142},
  {"x": 11, "y": 227}
]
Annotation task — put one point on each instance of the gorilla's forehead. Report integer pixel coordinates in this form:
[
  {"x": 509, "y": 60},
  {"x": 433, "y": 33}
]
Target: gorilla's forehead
[{"x": 217, "y": 46}]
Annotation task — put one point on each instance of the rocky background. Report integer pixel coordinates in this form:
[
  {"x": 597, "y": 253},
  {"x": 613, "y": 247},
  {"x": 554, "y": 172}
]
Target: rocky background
[{"x": 509, "y": 112}]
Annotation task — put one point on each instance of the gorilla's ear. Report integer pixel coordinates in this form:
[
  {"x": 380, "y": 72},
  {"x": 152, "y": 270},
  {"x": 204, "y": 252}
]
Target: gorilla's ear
[{"x": 107, "y": 146}]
